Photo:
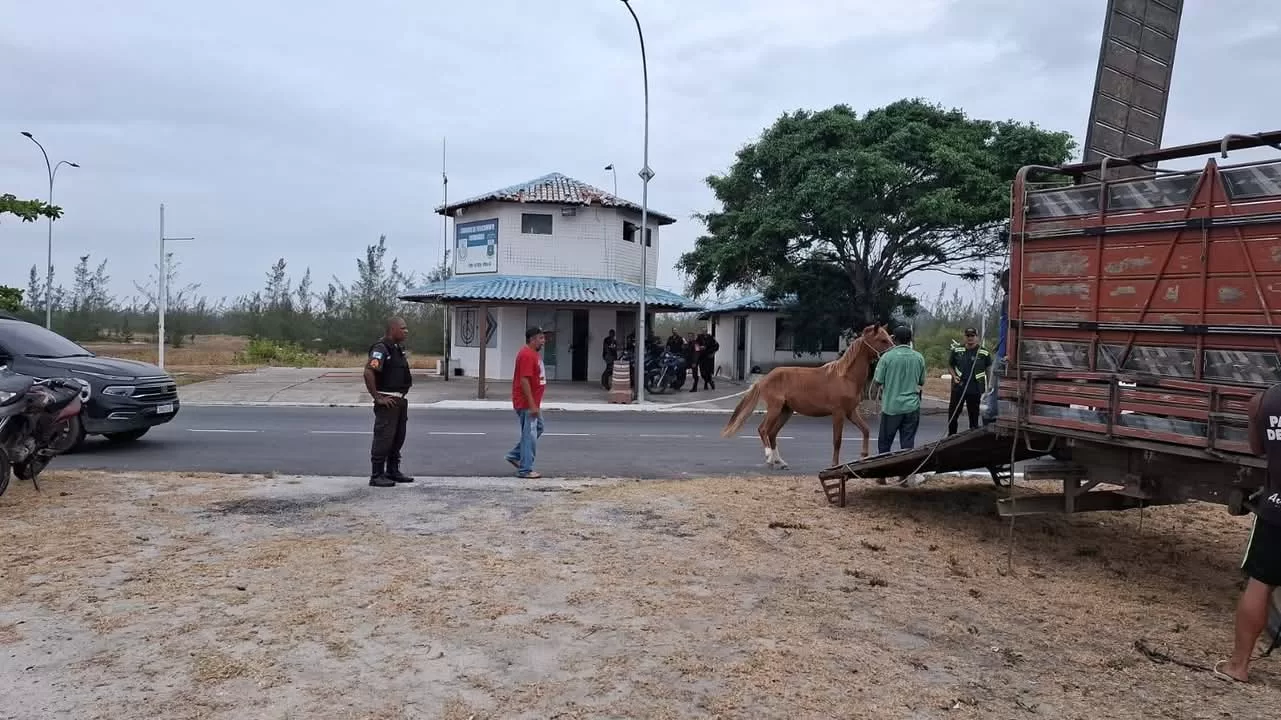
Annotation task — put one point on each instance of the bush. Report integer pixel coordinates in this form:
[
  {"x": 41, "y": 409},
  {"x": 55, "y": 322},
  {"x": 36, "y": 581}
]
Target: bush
[{"x": 261, "y": 351}]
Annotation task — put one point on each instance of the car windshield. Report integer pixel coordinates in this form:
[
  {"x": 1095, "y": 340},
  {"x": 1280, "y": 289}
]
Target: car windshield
[{"x": 29, "y": 340}]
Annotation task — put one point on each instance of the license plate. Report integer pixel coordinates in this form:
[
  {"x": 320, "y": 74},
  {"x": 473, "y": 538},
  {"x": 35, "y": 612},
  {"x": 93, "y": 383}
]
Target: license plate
[{"x": 164, "y": 409}]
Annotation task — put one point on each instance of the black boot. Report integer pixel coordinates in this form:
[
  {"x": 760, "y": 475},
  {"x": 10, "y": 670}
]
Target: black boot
[
  {"x": 395, "y": 475},
  {"x": 378, "y": 478}
]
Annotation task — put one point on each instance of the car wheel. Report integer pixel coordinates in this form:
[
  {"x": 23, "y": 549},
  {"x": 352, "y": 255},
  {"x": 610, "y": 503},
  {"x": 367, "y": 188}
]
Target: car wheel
[{"x": 126, "y": 437}]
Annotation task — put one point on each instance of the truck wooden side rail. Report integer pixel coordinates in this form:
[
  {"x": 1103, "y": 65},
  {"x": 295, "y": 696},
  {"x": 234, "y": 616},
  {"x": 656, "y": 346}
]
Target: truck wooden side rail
[{"x": 1143, "y": 316}]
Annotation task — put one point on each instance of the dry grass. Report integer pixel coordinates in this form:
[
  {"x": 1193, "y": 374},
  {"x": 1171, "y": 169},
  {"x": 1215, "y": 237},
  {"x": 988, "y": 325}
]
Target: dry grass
[
  {"x": 212, "y": 356},
  {"x": 710, "y": 598}
]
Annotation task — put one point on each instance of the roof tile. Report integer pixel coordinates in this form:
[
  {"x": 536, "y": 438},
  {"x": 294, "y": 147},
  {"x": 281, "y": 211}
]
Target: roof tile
[
  {"x": 528, "y": 288},
  {"x": 555, "y": 189}
]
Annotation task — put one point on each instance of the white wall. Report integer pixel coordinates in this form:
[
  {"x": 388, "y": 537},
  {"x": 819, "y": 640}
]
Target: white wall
[
  {"x": 599, "y": 322},
  {"x": 761, "y": 338},
  {"x": 509, "y": 336},
  {"x": 587, "y": 244}
]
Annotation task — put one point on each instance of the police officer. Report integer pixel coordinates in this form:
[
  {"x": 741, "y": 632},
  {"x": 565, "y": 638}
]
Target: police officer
[
  {"x": 969, "y": 366},
  {"x": 388, "y": 380}
]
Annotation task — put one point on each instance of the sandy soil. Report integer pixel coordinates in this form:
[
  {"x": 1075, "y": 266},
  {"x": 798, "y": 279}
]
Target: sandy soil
[{"x": 196, "y": 596}]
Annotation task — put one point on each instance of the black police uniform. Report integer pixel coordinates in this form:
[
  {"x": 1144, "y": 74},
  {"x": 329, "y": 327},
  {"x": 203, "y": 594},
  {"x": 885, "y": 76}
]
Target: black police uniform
[
  {"x": 391, "y": 376},
  {"x": 1263, "y": 555},
  {"x": 970, "y": 367}
]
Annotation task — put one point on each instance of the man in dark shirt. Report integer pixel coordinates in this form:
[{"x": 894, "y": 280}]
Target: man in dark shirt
[
  {"x": 387, "y": 378},
  {"x": 969, "y": 366},
  {"x": 1262, "y": 562}
]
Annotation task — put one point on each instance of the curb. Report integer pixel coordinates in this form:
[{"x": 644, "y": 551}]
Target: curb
[{"x": 503, "y": 405}]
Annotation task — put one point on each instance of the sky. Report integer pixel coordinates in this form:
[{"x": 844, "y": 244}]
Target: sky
[{"x": 305, "y": 130}]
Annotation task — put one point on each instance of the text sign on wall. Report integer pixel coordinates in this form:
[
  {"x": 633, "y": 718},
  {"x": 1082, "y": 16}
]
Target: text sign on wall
[{"x": 476, "y": 247}]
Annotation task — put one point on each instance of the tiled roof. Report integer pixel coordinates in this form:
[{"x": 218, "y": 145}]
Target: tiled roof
[
  {"x": 755, "y": 302},
  {"x": 539, "y": 289},
  {"x": 555, "y": 189}
]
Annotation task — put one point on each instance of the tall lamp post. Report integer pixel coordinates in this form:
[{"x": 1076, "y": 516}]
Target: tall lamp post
[
  {"x": 610, "y": 167},
  {"x": 646, "y": 174},
  {"x": 162, "y": 288},
  {"x": 48, "y": 282}
]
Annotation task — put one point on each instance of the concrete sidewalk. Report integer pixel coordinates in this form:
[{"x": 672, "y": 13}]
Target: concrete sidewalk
[{"x": 344, "y": 387}]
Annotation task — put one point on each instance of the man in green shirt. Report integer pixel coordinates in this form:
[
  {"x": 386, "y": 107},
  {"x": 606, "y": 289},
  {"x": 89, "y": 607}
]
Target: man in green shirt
[{"x": 901, "y": 374}]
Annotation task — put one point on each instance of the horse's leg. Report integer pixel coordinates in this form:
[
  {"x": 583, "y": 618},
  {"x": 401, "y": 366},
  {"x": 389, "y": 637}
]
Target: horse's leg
[
  {"x": 763, "y": 431},
  {"x": 783, "y": 417},
  {"x": 857, "y": 418}
]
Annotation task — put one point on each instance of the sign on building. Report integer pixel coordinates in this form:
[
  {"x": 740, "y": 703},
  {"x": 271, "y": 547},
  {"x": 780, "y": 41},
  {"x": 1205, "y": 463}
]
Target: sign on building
[
  {"x": 468, "y": 328},
  {"x": 476, "y": 247}
]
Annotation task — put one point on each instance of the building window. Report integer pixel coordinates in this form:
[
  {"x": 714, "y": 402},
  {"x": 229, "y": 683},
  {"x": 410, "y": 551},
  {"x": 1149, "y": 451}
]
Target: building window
[
  {"x": 535, "y": 224},
  {"x": 629, "y": 233},
  {"x": 785, "y": 338}
]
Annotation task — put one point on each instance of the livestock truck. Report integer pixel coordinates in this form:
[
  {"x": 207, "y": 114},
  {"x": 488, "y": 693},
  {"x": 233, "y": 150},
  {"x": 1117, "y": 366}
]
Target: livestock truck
[{"x": 1144, "y": 313}]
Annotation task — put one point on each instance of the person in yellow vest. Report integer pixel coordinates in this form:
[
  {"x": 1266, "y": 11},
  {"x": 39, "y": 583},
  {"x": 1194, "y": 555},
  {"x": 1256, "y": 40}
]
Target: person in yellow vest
[{"x": 969, "y": 365}]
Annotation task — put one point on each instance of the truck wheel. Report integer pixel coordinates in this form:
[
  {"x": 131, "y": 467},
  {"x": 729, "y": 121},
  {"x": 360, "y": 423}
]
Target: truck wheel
[{"x": 126, "y": 437}]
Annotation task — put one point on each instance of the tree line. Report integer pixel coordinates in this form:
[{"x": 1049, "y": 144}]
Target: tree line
[{"x": 291, "y": 310}]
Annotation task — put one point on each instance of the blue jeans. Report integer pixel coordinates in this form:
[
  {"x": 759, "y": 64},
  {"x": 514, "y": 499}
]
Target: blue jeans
[
  {"x": 904, "y": 426},
  {"x": 531, "y": 428}
]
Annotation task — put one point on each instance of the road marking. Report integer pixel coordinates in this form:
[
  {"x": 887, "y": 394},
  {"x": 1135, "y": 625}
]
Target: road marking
[
  {"x": 678, "y": 437},
  {"x": 446, "y": 432},
  {"x": 205, "y": 430},
  {"x": 758, "y": 437},
  {"x": 342, "y": 432},
  {"x": 567, "y": 434}
]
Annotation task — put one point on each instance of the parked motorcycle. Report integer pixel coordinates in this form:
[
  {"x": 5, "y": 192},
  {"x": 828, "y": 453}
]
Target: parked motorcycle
[
  {"x": 39, "y": 420},
  {"x": 664, "y": 370}
]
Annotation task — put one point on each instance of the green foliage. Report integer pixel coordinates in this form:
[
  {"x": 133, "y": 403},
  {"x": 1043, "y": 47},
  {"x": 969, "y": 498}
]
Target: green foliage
[
  {"x": 839, "y": 210},
  {"x": 10, "y": 299},
  {"x": 261, "y": 351},
  {"x": 941, "y": 324},
  {"x": 28, "y": 210}
]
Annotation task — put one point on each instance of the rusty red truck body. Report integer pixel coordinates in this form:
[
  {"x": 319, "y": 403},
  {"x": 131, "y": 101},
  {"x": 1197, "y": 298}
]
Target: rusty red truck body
[{"x": 1143, "y": 315}]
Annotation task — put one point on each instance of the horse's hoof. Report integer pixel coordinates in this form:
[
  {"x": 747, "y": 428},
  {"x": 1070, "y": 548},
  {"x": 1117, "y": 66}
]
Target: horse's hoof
[{"x": 783, "y": 466}]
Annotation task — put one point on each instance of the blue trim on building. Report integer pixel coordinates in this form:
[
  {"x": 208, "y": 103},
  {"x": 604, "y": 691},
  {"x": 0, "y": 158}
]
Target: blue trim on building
[
  {"x": 545, "y": 289},
  {"x": 755, "y": 302}
]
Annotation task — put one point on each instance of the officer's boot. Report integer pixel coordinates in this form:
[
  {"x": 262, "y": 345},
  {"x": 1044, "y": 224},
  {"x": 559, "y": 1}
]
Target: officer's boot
[
  {"x": 394, "y": 474},
  {"x": 378, "y": 478}
]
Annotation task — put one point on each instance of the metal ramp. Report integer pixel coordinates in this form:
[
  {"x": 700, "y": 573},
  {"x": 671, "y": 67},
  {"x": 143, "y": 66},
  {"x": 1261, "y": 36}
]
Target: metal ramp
[{"x": 984, "y": 448}]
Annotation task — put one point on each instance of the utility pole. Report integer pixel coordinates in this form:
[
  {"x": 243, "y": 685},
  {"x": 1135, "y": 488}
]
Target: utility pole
[{"x": 162, "y": 287}]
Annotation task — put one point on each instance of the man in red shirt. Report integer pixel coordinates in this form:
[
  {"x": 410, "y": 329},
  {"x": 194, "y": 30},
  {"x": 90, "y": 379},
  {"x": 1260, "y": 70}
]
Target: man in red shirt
[{"x": 528, "y": 383}]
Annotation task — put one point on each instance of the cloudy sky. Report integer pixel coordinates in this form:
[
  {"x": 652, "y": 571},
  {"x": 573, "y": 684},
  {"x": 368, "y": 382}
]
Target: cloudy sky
[{"x": 304, "y": 130}]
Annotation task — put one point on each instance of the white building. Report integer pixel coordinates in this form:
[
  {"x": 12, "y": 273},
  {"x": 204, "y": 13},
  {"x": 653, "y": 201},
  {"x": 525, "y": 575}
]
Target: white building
[
  {"x": 754, "y": 336},
  {"x": 556, "y": 253}
]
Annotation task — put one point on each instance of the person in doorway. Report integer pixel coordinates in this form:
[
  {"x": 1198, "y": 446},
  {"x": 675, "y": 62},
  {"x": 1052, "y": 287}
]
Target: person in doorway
[
  {"x": 969, "y": 366},
  {"x": 707, "y": 360},
  {"x": 901, "y": 375},
  {"x": 610, "y": 349},
  {"x": 528, "y": 383},
  {"x": 1262, "y": 563},
  {"x": 387, "y": 378}
]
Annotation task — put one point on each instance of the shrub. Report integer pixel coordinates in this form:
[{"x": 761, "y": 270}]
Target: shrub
[{"x": 261, "y": 351}]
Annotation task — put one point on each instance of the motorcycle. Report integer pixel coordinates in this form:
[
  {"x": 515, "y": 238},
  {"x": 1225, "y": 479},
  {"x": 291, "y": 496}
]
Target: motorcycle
[
  {"x": 664, "y": 370},
  {"x": 39, "y": 420}
]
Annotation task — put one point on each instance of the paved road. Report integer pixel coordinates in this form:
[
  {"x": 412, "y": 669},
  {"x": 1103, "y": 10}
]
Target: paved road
[{"x": 335, "y": 441}]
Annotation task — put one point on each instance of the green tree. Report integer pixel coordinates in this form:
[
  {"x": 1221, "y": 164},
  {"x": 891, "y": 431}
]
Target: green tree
[
  {"x": 28, "y": 210},
  {"x": 839, "y": 210},
  {"x": 10, "y": 299}
]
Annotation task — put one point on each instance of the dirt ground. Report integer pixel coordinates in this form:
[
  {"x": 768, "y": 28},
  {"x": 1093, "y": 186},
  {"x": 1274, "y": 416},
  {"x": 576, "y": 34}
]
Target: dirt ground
[
  {"x": 212, "y": 356},
  {"x": 196, "y": 596}
]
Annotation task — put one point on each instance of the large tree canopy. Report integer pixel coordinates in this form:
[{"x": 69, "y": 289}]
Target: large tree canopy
[
  {"x": 837, "y": 210},
  {"x": 28, "y": 210}
]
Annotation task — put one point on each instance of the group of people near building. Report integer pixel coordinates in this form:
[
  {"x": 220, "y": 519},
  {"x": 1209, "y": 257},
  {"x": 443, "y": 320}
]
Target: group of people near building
[{"x": 697, "y": 349}]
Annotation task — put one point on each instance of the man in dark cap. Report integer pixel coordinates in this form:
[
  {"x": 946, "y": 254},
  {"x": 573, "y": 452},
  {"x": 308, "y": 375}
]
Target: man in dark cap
[
  {"x": 387, "y": 378},
  {"x": 969, "y": 365}
]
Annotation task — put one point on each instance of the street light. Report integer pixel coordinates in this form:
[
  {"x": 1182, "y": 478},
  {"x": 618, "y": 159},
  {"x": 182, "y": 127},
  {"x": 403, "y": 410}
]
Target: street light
[
  {"x": 162, "y": 289},
  {"x": 610, "y": 167},
  {"x": 48, "y": 283},
  {"x": 646, "y": 175}
]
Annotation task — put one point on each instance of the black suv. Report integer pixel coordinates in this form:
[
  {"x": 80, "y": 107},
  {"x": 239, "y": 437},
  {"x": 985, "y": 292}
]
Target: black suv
[{"x": 123, "y": 399}]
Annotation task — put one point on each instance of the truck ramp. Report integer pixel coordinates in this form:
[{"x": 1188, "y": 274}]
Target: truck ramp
[{"x": 984, "y": 448}]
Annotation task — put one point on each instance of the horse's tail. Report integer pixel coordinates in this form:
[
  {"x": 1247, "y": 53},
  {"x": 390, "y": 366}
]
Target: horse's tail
[{"x": 743, "y": 409}]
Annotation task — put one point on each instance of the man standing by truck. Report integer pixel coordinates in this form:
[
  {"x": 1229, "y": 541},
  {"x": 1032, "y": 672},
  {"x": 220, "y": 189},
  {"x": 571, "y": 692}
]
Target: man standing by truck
[
  {"x": 969, "y": 366},
  {"x": 1262, "y": 563}
]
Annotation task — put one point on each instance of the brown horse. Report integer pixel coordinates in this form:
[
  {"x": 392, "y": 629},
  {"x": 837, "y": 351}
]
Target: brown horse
[{"x": 834, "y": 389}]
